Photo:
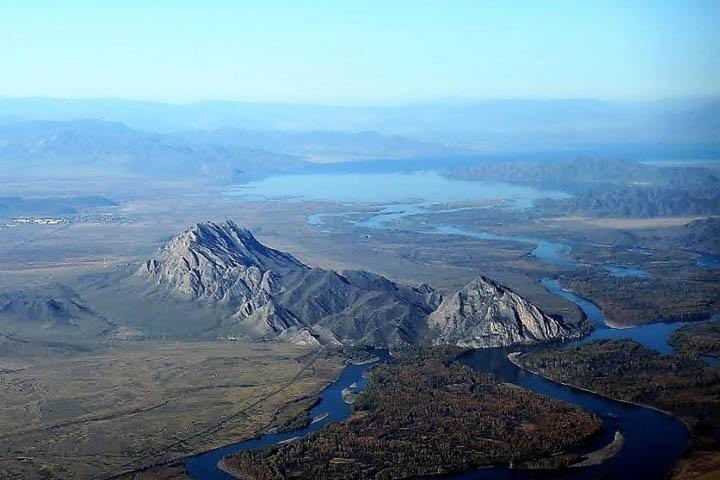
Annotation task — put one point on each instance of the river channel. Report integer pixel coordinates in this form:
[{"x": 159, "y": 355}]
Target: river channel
[{"x": 654, "y": 441}]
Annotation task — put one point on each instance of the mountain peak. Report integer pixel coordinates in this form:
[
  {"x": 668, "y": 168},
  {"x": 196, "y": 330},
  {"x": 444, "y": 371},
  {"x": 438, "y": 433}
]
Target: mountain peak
[
  {"x": 265, "y": 293},
  {"x": 218, "y": 261},
  {"x": 230, "y": 245},
  {"x": 487, "y": 314}
]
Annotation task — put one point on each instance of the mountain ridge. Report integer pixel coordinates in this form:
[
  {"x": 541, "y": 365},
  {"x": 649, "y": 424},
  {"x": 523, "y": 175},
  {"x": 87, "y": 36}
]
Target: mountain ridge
[{"x": 272, "y": 295}]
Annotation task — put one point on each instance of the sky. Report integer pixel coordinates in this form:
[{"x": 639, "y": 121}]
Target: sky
[{"x": 360, "y": 53}]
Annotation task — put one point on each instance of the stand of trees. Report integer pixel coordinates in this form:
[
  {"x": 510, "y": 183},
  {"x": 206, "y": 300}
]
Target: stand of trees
[{"x": 425, "y": 415}]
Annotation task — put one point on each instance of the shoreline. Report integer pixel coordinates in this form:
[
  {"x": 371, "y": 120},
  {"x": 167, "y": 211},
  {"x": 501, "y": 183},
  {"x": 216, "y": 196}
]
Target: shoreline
[
  {"x": 259, "y": 432},
  {"x": 602, "y": 454},
  {"x": 363, "y": 362},
  {"x": 514, "y": 356}
]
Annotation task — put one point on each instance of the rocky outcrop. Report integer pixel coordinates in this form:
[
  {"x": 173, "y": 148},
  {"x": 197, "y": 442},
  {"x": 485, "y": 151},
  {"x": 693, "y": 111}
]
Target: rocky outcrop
[
  {"x": 264, "y": 293},
  {"x": 486, "y": 314},
  {"x": 219, "y": 263},
  {"x": 52, "y": 309}
]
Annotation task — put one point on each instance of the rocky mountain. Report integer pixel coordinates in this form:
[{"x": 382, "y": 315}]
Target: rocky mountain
[
  {"x": 640, "y": 201},
  {"x": 586, "y": 173},
  {"x": 702, "y": 235},
  {"x": 486, "y": 314},
  {"x": 320, "y": 146},
  {"x": 219, "y": 263},
  {"x": 48, "y": 310},
  {"x": 264, "y": 293},
  {"x": 90, "y": 146}
]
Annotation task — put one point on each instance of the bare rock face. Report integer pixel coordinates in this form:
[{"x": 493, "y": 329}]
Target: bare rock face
[
  {"x": 271, "y": 294},
  {"x": 300, "y": 336},
  {"x": 218, "y": 263},
  {"x": 486, "y": 314},
  {"x": 259, "y": 292}
]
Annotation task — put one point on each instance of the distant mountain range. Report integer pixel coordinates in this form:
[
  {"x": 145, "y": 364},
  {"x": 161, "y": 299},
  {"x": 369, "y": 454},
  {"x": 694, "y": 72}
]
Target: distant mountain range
[
  {"x": 586, "y": 172},
  {"x": 487, "y": 126},
  {"x": 321, "y": 146},
  {"x": 638, "y": 201},
  {"x": 90, "y": 147},
  {"x": 608, "y": 187}
]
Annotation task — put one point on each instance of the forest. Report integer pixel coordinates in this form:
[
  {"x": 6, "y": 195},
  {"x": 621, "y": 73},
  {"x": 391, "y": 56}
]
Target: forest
[
  {"x": 423, "y": 414},
  {"x": 679, "y": 383}
]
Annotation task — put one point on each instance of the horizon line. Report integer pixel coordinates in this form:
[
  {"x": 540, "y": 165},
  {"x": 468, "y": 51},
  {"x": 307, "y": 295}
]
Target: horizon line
[{"x": 389, "y": 104}]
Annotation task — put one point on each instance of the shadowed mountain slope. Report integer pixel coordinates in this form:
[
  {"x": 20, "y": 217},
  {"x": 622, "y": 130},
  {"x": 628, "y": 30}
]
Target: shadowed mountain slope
[
  {"x": 486, "y": 314},
  {"x": 264, "y": 293}
]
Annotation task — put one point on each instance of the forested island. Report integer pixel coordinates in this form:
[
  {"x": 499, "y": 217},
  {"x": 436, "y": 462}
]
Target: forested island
[
  {"x": 424, "y": 414},
  {"x": 680, "y": 383},
  {"x": 672, "y": 294}
]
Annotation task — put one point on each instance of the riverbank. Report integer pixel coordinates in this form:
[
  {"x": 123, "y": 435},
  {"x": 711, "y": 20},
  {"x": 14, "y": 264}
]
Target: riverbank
[
  {"x": 438, "y": 418},
  {"x": 514, "y": 358},
  {"x": 681, "y": 384},
  {"x": 602, "y": 454}
]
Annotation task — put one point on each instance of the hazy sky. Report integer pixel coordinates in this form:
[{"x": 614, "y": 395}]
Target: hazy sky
[{"x": 346, "y": 52}]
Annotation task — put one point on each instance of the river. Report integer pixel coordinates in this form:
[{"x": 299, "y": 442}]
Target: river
[{"x": 654, "y": 441}]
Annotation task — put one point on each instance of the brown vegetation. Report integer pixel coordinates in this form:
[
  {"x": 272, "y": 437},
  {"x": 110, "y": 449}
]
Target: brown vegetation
[
  {"x": 701, "y": 339},
  {"x": 665, "y": 296},
  {"x": 423, "y": 415},
  {"x": 113, "y": 409},
  {"x": 679, "y": 383}
]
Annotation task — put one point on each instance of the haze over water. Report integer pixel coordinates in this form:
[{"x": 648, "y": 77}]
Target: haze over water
[{"x": 418, "y": 187}]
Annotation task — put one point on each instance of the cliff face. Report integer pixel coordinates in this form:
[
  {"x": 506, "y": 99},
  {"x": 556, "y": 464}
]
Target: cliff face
[
  {"x": 486, "y": 314},
  {"x": 266, "y": 293}
]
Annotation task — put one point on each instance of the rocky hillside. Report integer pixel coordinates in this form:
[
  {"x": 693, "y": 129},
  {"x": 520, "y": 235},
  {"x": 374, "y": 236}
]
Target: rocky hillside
[
  {"x": 266, "y": 293},
  {"x": 486, "y": 314},
  {"x": 84, "y": 147},
  {"x": 219, "y": 263},
  {"x": 702, "y": 235},
  {"x": 48, "y": 310},
  {"x": 263, "y": 293},
  {"x": 640, "y": 201}
]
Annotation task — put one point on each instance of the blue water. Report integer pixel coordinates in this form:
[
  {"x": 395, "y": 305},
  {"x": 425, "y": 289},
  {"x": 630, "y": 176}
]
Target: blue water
[
  {"x": 554, "y": 253},
  {"x": 654, "y": 441},
  {"x": 709, "y": 262},
  {"x": 385, "y": 188},
  {"x": 204, "y": 466},
  {"x": 654, "y": 335}
]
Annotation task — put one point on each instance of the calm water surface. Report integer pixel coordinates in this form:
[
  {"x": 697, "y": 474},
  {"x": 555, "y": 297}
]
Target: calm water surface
[{"x": 385, "y": 188}]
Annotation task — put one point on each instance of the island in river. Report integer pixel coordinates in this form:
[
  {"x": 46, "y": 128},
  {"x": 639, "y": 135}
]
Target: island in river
[
  {"x": 685, "y": 383},
  {"x": 424, "y": 414}
]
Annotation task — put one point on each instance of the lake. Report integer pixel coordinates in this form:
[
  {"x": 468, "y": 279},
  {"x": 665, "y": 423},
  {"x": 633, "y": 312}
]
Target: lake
[{"x": 385, "y": 188}]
